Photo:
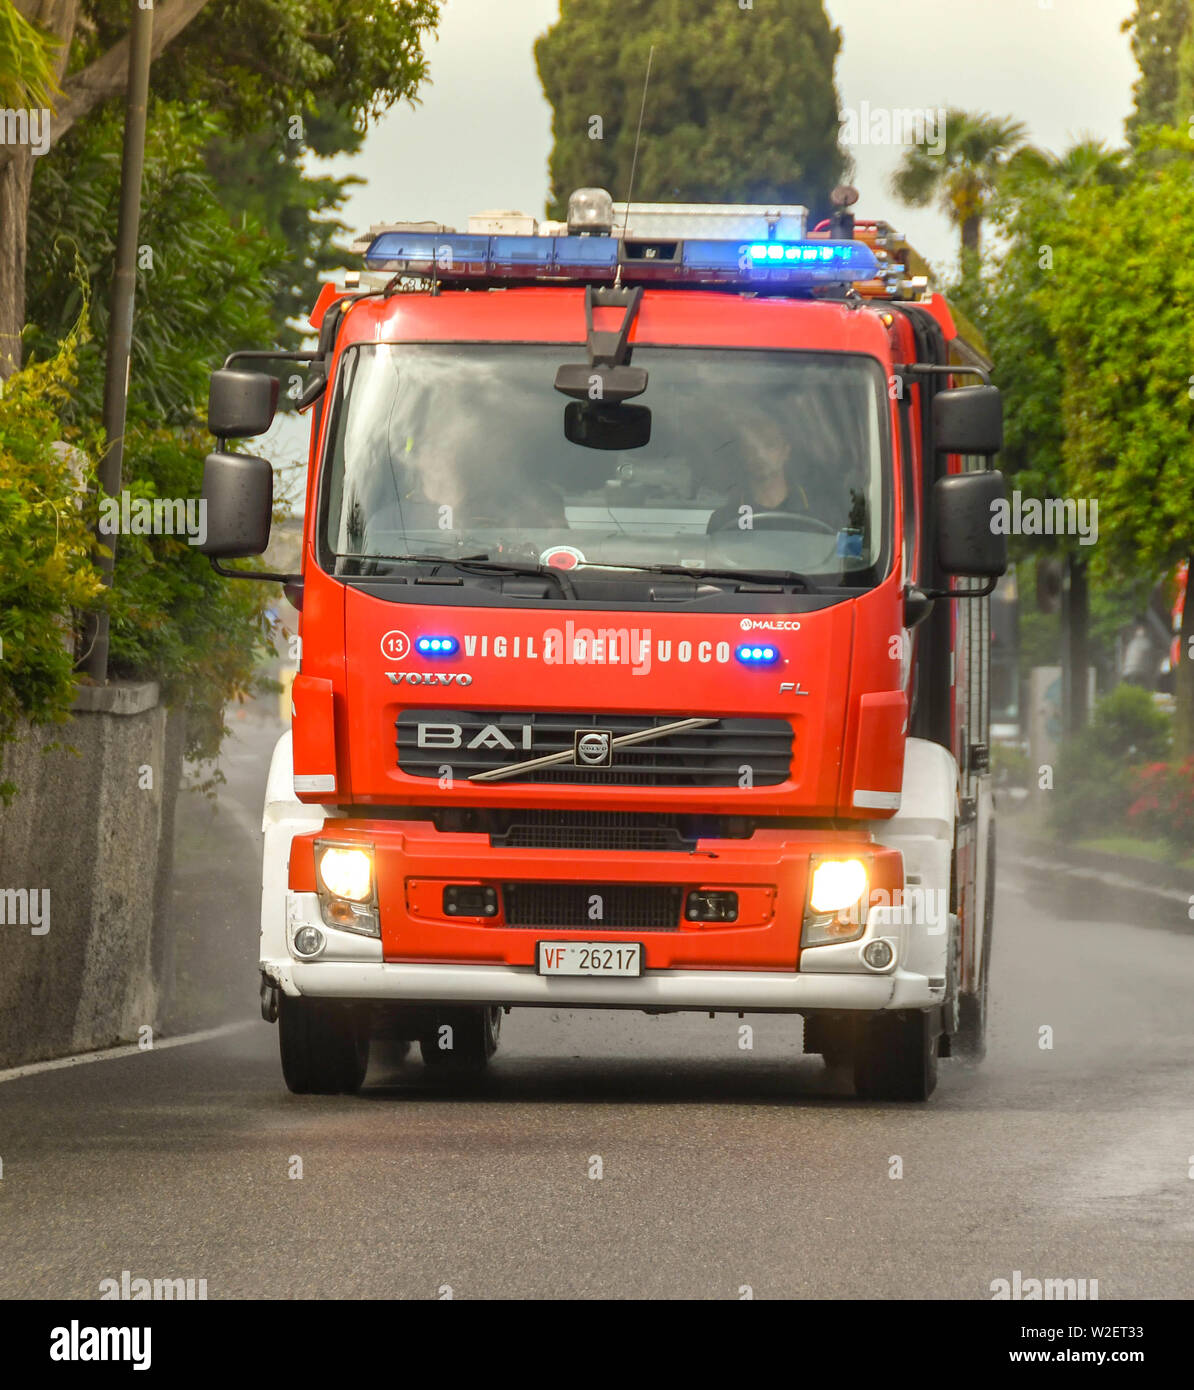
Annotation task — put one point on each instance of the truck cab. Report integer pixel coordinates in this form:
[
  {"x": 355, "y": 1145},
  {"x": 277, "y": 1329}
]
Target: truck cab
[{"x": 644, "y": 641}]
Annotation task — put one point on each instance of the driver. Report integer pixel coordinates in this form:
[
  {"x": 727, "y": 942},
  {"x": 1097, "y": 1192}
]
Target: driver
[{"x": 764, "y": 485}]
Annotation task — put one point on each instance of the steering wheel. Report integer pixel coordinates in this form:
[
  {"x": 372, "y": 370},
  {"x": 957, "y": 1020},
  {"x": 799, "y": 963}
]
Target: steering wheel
[{"x": 811, "y": 523}]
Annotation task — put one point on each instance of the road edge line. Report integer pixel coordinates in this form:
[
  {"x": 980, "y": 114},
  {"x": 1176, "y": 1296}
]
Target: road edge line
[{"x": 125, "y": 1050}]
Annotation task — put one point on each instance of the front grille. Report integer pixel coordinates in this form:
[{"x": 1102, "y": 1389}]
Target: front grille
[
  {"x": 618, "y": 906},
  {"x": 729, "y": 753}
]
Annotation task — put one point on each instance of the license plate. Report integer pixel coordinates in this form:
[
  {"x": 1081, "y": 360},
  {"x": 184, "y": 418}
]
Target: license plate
[{"x": 590, "y": 958}]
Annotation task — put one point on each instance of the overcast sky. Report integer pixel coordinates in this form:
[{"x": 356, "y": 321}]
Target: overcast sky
[{"x": 481, "y": 136}]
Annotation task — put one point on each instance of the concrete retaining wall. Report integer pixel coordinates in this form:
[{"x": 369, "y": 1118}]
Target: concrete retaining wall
[{"x": 92, "y": 826}]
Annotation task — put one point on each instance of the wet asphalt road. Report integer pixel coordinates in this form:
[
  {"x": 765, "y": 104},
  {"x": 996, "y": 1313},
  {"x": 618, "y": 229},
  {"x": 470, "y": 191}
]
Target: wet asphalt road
[{"x": 720, "y": 1167}]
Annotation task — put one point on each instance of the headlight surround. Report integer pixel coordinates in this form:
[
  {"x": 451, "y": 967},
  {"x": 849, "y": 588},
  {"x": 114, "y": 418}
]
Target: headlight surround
[
  {"x": 346, "y": 879},
  {"x": 345, "y": 871},
  {"x": 837, "y": 897}
]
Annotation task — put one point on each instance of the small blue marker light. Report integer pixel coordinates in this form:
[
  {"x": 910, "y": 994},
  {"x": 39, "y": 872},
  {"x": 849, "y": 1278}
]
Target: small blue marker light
[
  {"x": 757, "y": 656},
  {"x": 437, "y": 646}
]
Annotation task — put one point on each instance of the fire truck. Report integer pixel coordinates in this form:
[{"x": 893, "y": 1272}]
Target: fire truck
[{"x": 644, "y": 640}]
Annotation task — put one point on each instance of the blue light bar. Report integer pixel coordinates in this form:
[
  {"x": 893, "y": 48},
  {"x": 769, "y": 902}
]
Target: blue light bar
[
  {"x": 437, "y": 646},
  {"x": 795, "y": 265},
  {"x": 762, "y": 655}
]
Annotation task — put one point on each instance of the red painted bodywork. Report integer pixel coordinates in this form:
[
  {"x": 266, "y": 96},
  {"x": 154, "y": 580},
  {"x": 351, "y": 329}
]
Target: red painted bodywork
[{"x": 849, "y": 728}]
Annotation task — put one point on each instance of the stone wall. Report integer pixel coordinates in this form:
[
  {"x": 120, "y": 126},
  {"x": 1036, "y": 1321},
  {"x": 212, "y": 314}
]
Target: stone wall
[{"x": 92, "y": 827}]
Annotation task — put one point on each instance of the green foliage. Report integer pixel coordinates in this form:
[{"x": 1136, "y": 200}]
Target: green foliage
[
  {"x": 1127, "y": 398},
  {"x": 26, "y": 61},
  {"x": 1010, "y": 766},
  {"x": 1095, "y": 776},
  {"x": 210, "y": 284},
  {"x": 45, "y": 545},
  {"x": 210, "y": 289},
  {"x": 265, "y": 62},
  {"x": 199, "y": 635},
  {"x": 1032, "y": 201},
  {"x": 742, "y": 105},
  {"x": 261, "y": 175},
  {"x": 1162, "y": 33}
]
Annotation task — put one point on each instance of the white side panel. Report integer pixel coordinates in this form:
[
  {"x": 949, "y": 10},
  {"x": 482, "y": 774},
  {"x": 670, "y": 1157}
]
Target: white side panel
[
  {"x": 923, "y": 830},
  {"x": 282, "y": 819}
]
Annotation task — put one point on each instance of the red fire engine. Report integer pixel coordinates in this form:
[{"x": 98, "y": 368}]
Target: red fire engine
[{"x": 644, "y": 640}]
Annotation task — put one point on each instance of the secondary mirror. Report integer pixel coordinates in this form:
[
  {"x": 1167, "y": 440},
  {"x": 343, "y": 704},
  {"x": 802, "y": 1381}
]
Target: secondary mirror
[
  {"x": 599, "y": 425},
  {"x": 238, "y": 496},
  {"x": 964, "y": 508},
  {"x": 241, "y": 404}
]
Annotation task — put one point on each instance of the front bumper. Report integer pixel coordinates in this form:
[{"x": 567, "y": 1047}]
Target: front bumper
[
  {"x": 830, "y": 977},
  {"x": 716, "y": 990}
]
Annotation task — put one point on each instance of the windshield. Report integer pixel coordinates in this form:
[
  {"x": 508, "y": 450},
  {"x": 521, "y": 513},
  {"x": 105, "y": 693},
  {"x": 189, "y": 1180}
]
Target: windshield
[{"x": 756, "y": 461}]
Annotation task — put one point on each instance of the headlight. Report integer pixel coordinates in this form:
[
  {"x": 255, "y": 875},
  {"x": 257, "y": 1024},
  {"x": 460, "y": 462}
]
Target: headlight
[
  {"x": 346, "y": 873},
  {"x": 837, "y": 885}
]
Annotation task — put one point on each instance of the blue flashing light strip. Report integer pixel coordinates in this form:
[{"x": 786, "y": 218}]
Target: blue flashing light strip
[
  {"x": 437, "y": 646},
  {"x": 762, "y": 655},
  {"x": 797, "y": 264}
]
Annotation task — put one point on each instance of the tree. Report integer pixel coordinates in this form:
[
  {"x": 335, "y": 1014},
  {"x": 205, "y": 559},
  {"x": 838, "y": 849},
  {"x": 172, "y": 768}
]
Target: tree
[
  {"x": 209, "y": 285},
  {"x": 261, "y": 175},
  {"x": 1162, "y": 37},
  {"x": 742, "y": 105},
  {"x": 257, "y": 61},
  {"x": 965, "y": 178},
  {"x": 1128, "y": 392},
  {"x": 1032, "y": 199}
]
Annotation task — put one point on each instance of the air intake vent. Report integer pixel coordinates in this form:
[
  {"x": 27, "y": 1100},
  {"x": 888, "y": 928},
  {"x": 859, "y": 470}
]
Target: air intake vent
[{"x": 620, "y": 906}]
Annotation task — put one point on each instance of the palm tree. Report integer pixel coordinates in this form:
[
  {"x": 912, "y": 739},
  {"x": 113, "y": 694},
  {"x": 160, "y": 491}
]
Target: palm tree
[{"x": 964, "y": 177}]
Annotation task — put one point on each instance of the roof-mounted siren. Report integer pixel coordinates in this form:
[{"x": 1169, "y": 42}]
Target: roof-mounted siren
[
  {"x": 841, "y": 221},
  {"x": 590, "y": 212}
]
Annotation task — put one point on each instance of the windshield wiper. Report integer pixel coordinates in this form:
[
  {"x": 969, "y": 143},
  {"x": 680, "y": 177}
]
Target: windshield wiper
[
  {"x": 478, "y": 564},
  {"x": 747, "y": 576}
]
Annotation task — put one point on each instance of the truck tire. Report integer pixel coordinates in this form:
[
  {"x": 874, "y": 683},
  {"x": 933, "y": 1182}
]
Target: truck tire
[
  {"x": 324, "y": 1046},
  {"x": 473, "y": 1039},
  {"x": 896, "y": 1056},
  {"x": 970, "y": 1041}
]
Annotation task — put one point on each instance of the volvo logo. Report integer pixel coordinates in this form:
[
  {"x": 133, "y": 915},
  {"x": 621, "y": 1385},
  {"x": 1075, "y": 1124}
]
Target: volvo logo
[
  {"x": 429, "y": 677},
  {"x": 593, "y": 748}
]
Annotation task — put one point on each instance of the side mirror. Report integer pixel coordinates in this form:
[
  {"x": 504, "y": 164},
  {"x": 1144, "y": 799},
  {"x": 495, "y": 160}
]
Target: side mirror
[
  {"x": 964, "y": 508},
  {"x": 968, "y": 420},
  {"x": 596, "y": 425},
  {"x": 238, "y": 499},
  {"x": 241, "y": 404}
]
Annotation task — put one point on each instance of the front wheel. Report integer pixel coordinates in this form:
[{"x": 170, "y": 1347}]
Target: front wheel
[
  {"x": 462, "y": 1039},
  {"x": 896, "y": 1056},
  {"x": 324, "y": 1046}
]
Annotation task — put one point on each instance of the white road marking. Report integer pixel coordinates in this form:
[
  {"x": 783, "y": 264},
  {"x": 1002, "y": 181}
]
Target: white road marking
[{"x": 55, "y": 1063}]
